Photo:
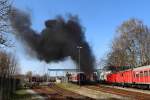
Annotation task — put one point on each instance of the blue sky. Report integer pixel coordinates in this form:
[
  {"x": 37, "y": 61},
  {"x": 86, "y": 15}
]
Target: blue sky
[{"x": 99, "y": 17}]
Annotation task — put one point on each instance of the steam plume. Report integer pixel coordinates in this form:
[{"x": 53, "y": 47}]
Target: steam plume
[{"x": 58, "y": 40}]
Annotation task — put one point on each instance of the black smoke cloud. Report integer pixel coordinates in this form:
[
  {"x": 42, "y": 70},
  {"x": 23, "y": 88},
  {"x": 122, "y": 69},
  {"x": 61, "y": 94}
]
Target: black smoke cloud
[{"x": 58, "y": 40}]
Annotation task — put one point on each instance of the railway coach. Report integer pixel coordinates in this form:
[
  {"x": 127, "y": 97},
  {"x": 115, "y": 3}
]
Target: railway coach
[
  {"x": 141, "y": 76},
  {"x": 78, "y": 77},
  {"x": 82, "y": 78},
  {"x": 135, "y": 77}
]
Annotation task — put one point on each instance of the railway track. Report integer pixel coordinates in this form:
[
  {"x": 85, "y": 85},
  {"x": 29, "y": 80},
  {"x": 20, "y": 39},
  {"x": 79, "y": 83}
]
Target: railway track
[
  {"x": 68, "y": 94},
  {"x": 125, "y": 93},
  {"x": 53, "y": 92},
  {"x": 48, "y": 95}
]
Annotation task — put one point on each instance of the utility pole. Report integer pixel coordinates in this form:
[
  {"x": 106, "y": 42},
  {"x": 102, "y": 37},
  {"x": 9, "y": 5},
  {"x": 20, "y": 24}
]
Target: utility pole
[{"x": 79, "y": 51}]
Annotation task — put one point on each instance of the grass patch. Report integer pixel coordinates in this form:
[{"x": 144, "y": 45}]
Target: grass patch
[
  {"x": 68, "y": 86},
  {"x": 21, "y": 95},
  {"x": 21, "y": 92}
]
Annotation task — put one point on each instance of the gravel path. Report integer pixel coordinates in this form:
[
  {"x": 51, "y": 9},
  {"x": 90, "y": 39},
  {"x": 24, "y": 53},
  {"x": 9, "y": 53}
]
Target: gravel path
[
  {"x": 36, "y": 96},
  {"x": 98, "y": 95}
]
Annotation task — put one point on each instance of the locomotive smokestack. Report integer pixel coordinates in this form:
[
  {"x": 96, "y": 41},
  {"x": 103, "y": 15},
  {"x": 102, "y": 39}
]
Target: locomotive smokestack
[{"x": 58, "y": 40}]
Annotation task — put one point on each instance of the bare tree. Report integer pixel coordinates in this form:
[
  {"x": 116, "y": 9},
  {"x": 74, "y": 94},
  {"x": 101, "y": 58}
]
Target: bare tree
[
  {"x": 8, "y": 64},
  {"x": 4, "y": 64},
  {"x": 8, "y": 70},
  {"x": 136, "y": 37},
  {"x": 131, "y": 45},
  {"x": 4, "y": 21},
  {"x": 102, "y": 63}
]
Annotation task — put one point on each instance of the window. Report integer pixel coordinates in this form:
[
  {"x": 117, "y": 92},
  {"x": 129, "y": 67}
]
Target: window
[
  {"x": 134, "y": 75},
  {"x": 145, "y": 73},
  {"x": 141, "y": 74},
  {"x": 137, "y": 75}
]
